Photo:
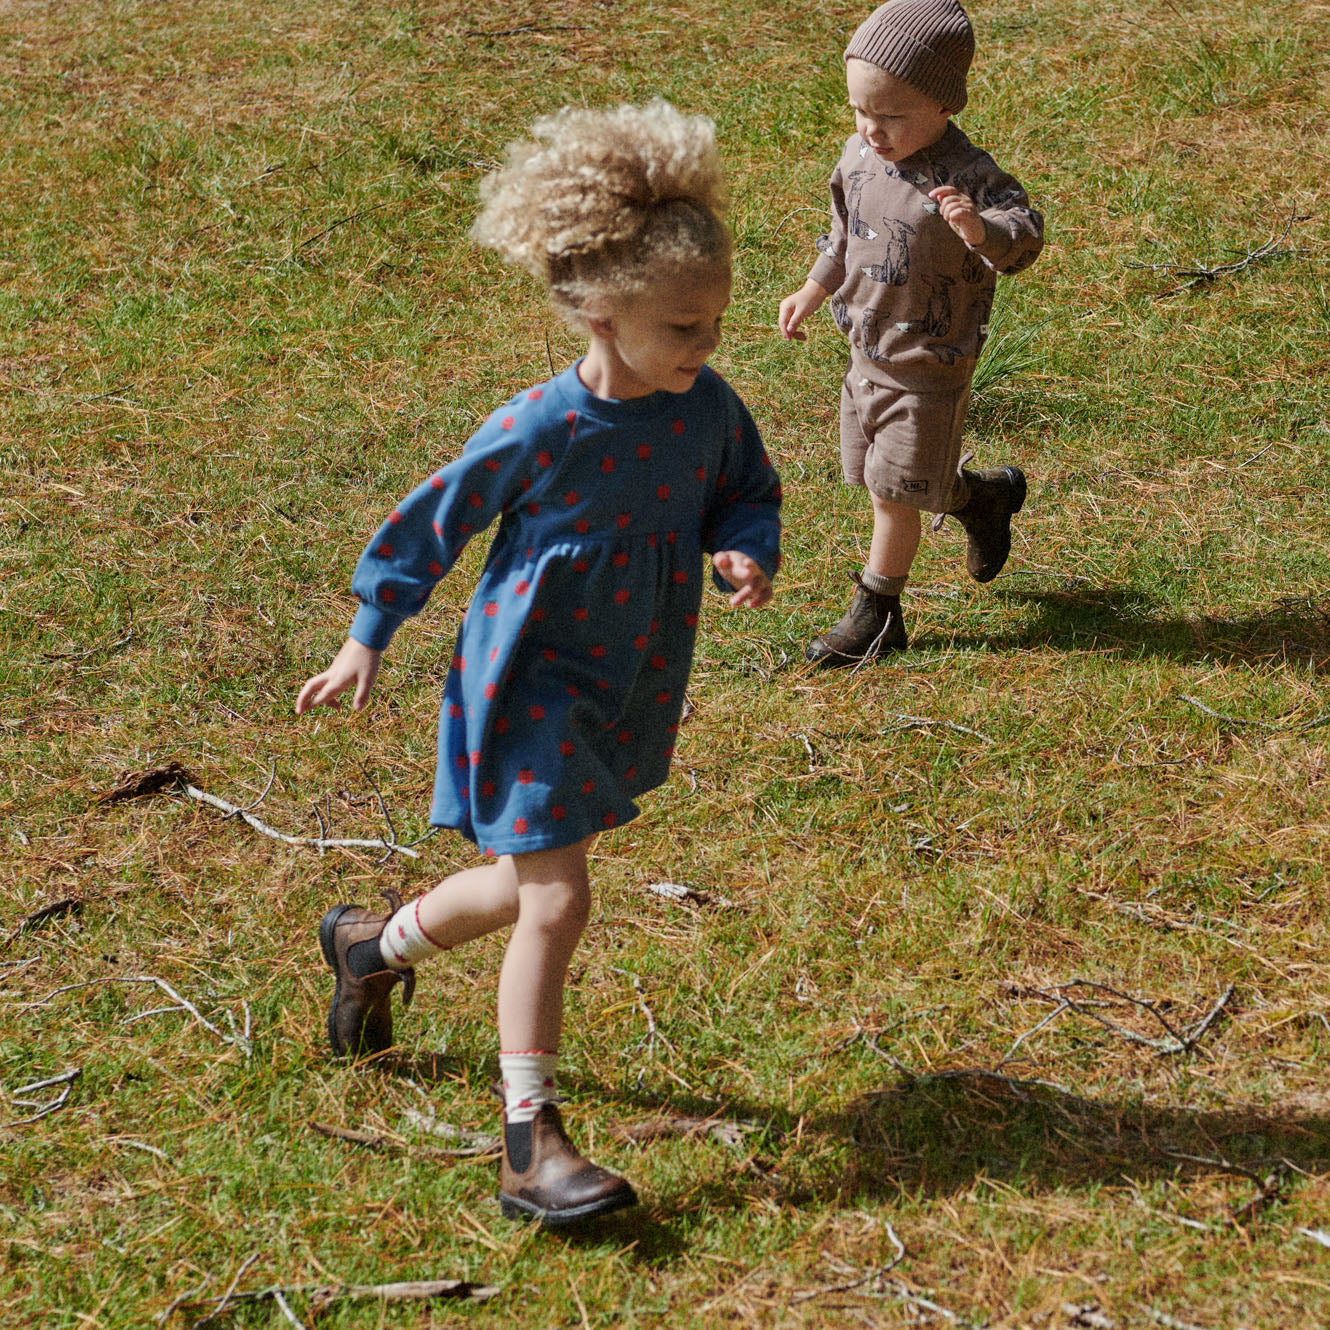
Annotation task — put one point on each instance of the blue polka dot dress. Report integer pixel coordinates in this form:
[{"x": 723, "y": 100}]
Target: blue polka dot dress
[{"x": 566, "y": 687}]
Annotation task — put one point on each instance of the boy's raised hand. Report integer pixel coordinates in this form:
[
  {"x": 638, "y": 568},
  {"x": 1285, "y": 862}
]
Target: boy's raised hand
[
  {"x": 796, "y": 308},
  {"x": 355, "y": 664},
  {"x": 752, "y": 586},
  {"x": 959, "y": 213}
]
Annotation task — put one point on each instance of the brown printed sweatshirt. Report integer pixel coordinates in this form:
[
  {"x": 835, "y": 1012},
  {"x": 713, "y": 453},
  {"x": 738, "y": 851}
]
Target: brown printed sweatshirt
[{"x": 909, "y": 293}]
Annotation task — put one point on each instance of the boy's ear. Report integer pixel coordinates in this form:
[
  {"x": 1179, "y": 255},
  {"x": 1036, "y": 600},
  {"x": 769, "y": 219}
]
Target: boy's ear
[{"x": 599, "y": 322}]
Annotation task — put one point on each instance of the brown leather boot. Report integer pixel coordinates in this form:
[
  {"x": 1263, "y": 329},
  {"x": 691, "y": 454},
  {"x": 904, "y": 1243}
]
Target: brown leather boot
[
  {"x": 986, "y": 518},
  {"x": 543, "y": 1176},
  {"x": 360, "y": 1019},
  {"x": 872, "y": 626}
]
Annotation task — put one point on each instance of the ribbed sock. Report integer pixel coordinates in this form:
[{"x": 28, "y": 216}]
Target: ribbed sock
[
  {"x": 528, "y": 1082},
  {"x": 403, "y": 942},
  {"x": 882, "y": 586}
]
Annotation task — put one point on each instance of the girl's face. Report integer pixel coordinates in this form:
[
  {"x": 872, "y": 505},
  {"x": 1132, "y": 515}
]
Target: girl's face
[
  {"x": 894, "y": 119},
  {"x": 659, "y": 339}
]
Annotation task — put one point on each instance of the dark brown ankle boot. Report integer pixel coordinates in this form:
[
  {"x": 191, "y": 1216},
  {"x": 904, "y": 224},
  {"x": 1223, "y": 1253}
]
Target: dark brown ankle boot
[
  {"x": 986, "y": 518},
  {"x": 360, "y": 1019},
  {"x": 542, "y": 1176},
  {"x": 872, "y": 626}
]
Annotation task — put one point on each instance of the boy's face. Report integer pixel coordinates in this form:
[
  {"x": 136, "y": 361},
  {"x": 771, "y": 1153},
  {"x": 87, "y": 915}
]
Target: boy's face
[{"x": 894, "y": 119}]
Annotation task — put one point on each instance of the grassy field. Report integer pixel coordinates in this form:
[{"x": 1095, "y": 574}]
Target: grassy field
[{"x": 1004, "y": 997}]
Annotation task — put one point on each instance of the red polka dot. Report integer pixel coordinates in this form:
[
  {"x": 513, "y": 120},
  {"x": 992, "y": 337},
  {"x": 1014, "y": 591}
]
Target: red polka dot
[
  {"x": 454, "y": 711},
  {"x": 487, "y": 789},
  {"x": 464, "y": 527},
  {"x": 535, "y": 395},
  {"x": 621, "y": 559},
  {"x": 571, "y": 497},
  {"x": 387, "y": 595},
  {"x": 533, "y": 509},
  {"x": 438, "y": 530},
  {"x": 537, "y": 616},
  {"x": 662, "y": 492},
  {"x": 630, "y": 774},
  {"x": 491, "y": 464},
  {"x": 501, "y": 725},
  {"x": 655, "y": 626},
  {"x": 738, "y": 433},
  {"x": 461, "y": 761},
  {"x": 475, "y": 500},
  {"x": 580, "y": 565},
  {"x": 582, "y": 526},
  {"x": 436, "y": 482},
  {"x": 525, "y": 776},
  {"x": 475, "y": 757},
  {"x": 609, "y": 819},
  {"x": 721, "y": 480},
  {"x": 507, "y": 422},
  {"x": 662, "y": 697},
  {"x": 588, "y": 786},
  {"x": 570, "y": 417},
  {"x": 574, "y": 690},
  {"x": 598, "y": 651},
  {"x": 607, "y": 465},
  {"x": 678, "y": 426},
  {"x": 621, "y": 596},
  {"x": 494, "y": 653},
  {"x": 644, "y": 451},
  {"x": 603, "y": 684},
  {"x": 543, "y": 458},
  {"x": 567, "y": 748},
  {"x": 624, "y": 519},
  {"x": 550, "y": 654},
  {"x": 489, "y": 852},
  {"x": 680, "y": 576},
  {"x": 701, "y": 473},
  {"x": 672, "y": 729},
  {"x": 558, "y": 812},
  {"x": 394, "y": 517},
  {"x": 435, "y": 568},
  {"x": 521, "y": 588},
  {"x": 537, "y": 712},
  {"x": 671, "y": 537},
  {"x": 690, "y": 620},
  {"x": 580, "y": 613},
  {"x": 491, "y": 608},
  {"x": 657, "y": 662},
  {"x": 669, "y": 751},
  {"x": 386, "y": 550},
  {"x": 651, "y": 540},
  {"x": 625, "y": 736},
  {"x": 640, "y": 641},
  {"x": 519, "y": 826},
  {"x": 491, "y": 691}
]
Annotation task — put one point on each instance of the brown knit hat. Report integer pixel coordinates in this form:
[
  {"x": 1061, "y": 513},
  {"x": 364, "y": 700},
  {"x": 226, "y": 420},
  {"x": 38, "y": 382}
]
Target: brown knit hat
[{"x": 927, "y": 43}]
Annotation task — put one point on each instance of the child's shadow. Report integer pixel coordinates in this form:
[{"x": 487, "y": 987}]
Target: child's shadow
[{"x": 1080, "y": 616}]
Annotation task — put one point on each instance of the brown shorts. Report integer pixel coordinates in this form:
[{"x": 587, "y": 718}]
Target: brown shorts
[{"x": 903, "y": 446}]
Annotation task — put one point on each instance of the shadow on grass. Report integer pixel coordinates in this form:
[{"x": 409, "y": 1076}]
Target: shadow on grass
[{"x": 1122, "y": 618}]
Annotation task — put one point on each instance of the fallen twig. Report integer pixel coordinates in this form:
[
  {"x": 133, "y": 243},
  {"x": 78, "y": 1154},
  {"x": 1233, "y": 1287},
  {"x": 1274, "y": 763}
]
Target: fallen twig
[
  {"x": 1198, "y": 275},
  {"x": 65, "y": 1079},
  {"x": 872, "y": 1276},
  {"x": 488, "y": 1147},
  {"x": 670, "y": 1128},
  {"x": 678, "y": 891},
  {"x": 921, "y": 722},
  {"x": 240, "y": 1041},
  {"x": 323, "y": 1296},
  {"x": 477, "y": 1142},
  {"x": 1088, "y": 1314}
]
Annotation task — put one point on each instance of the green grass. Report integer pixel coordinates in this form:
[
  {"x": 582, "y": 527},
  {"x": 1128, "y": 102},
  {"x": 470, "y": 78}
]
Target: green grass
[{"x": 239, "y": 315}]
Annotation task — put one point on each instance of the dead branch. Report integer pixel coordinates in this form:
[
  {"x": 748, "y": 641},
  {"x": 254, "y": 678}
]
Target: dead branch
[
  {"x": 1088, "y": 1314},
  {"x": 1177, "y": 1041},
  {"x": 66, "y": 1079},
  {"x": 240, "y": 1041},
  {"x": 1198, "y": 275},
  {"x": 678, "y": 891},
  {"x": 921, "y": 722},
  {"x": 1316, "y": 1235},
  {"x": 478, "y": 1142},
  {"x": 872, "y": 1277},
  {"x": 323, "y": 1296},
  {"x": 371, "y": 1141},
  {"x": 668, "y": 1128},
  {"x": 70, "y": 905}
]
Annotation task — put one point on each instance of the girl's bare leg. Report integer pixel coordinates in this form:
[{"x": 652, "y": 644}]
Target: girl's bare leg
[{"x": 471, "y": 903}]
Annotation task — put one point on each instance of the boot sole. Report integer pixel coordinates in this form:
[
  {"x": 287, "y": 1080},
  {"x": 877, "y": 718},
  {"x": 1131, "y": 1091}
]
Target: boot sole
[
  {"x": 327, "y": 929},
  {"x": 513, "y": 1207}
]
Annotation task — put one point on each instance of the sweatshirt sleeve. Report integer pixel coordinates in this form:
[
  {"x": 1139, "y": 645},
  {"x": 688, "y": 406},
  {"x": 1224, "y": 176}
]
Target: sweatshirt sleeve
[
  {"x": 1014, "y": 231},
  {"x": 744, "y": 511},
  {"x": 828, "y": 271},
  {"x": 424, "y": 535}
]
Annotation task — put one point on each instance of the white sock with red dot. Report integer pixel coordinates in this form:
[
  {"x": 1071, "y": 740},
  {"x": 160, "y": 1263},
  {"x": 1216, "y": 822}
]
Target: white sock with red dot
[
  {"x": 528, "y": 1082},
  {"x": 403, "y": 942}
]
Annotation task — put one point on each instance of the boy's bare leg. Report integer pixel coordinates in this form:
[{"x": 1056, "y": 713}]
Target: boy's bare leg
[{"x": 896, "y": 534}]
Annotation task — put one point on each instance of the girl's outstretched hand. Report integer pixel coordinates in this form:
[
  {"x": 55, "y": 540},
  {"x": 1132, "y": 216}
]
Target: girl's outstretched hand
[
  {"x": 355, "y": 664},
  {"x": 752, "y": 585}
]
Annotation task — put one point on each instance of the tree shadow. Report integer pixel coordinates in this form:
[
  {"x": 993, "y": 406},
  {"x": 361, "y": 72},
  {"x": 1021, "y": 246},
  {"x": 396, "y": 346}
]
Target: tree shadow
[{"x": 1078, "y": 616}]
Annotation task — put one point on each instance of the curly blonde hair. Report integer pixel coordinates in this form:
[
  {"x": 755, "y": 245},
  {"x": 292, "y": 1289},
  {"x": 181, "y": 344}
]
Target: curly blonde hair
[{"x": 600, "y": 204}]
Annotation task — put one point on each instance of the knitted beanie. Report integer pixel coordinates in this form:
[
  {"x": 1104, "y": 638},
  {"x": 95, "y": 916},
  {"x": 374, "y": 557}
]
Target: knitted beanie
[{"x": 926, "y": 43}]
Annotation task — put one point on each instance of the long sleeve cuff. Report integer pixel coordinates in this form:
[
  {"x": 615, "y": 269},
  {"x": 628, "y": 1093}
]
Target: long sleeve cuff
[
  {"x": 827, "y": 273},
  {"x": 374, "y": 628}
]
